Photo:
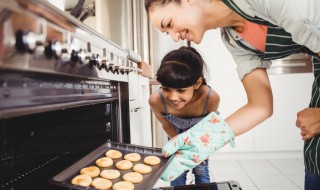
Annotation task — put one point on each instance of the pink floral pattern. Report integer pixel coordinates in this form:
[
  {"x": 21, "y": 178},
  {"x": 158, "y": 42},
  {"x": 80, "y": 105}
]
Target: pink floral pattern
[
  {"x": 165, "y": 154},
  {"x": 196, "y": 158},
  {"x": 187, "y": 141},
  {"x": 214, "y": 120},
  {"x": 205, "y": 139}
]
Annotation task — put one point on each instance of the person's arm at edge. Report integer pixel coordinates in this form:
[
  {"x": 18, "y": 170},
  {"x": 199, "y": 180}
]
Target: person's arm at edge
[{"x": 259, "y": 106}]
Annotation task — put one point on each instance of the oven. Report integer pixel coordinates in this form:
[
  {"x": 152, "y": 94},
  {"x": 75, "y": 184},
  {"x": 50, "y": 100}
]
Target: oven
[
  {"x": 64, "y": 99},
  {"x": 64, "y": 93}
]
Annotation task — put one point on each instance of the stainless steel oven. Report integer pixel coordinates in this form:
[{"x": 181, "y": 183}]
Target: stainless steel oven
[
  {"x": 63, "y": 93},
  {"x": 64, "y": 99}
]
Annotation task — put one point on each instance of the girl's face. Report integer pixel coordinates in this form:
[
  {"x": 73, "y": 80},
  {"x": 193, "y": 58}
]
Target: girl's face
[
  {"x": 177, "y": 97},
  {"x": 180, "y": 21}
]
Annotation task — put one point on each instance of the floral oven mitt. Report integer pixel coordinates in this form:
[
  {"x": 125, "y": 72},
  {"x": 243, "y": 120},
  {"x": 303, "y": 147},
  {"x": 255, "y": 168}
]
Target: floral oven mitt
[{"x": 195, "y": 145}]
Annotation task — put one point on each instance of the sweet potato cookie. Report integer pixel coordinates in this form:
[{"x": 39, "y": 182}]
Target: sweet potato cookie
[
  {"x": 101, "y": 183},
  {"x": 114, "y": 154},
  {"x": 91, "y": 171},
  {"x": 123, "y": 185},
  {"x": 151, "y": 160},
  {"x": 110, "y": 174},
  {"x": 133, "y": 157},
  {"x": 82, "y": 180},
  {"x": 104, "y": 162},
  {"x": 142, "y": 168},
  {"x": 124, "y": 165},
  {"x": 133, "y": 177}
]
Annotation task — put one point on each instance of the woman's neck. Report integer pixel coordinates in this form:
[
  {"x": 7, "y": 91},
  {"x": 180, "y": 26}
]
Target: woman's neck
[{"x": 222, "y": 16}]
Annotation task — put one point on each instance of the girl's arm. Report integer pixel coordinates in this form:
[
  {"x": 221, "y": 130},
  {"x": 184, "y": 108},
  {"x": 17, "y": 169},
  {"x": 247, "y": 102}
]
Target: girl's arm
[
  {"x": 156, "y": 105},
  {"x": 259, "y": 106},
  {"x": 214, "y": 101}
]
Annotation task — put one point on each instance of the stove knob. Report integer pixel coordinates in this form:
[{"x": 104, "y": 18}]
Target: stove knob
[
  {"x": 74, "y": 57},
  {"x": 27, "y": 41},
  {"x": 53, "y": 49},
  {"x": 122, "y": 66},
  {"x": 110, "y": 64},
  {"x": 84, "y": 57},
  {"x": 104, "y": 60},
  {"x": 127, "y": 67},
  {"x": 94, "y": 61},
  {"x": 103, "y": 64}
]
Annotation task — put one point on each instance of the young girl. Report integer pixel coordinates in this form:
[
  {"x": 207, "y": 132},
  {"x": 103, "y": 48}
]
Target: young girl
[{"x": 183, "y": 99}]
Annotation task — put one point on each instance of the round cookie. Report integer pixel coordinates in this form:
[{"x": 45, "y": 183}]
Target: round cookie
[
  {"x": 101, "y": 183},
  {"x": 124, "y": 165},
  {"x": 133, "y": 177},
  {"x": 82, "y": 180},
  {"x": 114, "y": 154},
  {"x": 110, "y": 174},
  {"x": 123, "y": 185},
  {"x": 91, "y": 171},
  {"x": 104, "y": 162},
  {"x": 151, "y": 160},
  {"x": 142, "y": 168},
  {"x": 133, "y": 157}
]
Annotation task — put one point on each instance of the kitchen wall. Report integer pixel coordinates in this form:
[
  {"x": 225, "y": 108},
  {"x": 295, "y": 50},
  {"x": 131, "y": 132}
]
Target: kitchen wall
[{"x": 291, "y": 92}]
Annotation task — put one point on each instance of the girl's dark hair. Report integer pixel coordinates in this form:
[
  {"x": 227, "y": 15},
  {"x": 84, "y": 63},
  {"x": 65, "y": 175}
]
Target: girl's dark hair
[
  {"x": 150, "y": 3},
  {"x": 181, "y": 68}
]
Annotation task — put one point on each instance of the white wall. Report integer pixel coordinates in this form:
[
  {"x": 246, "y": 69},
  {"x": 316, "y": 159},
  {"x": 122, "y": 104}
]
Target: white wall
[{"x": 291, "y": 94}]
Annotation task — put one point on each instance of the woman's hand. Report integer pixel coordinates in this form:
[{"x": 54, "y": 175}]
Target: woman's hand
[
  {"x": 308, "y": 120},
  {"x": 195, "y": 145}
]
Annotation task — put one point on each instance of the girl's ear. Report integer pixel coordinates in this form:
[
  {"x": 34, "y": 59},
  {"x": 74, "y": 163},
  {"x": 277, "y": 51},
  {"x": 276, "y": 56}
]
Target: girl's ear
[{"x": 198, "y": 84}]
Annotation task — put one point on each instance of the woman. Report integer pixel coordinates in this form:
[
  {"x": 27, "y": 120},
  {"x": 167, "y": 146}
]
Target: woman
[{"x": 255, "y": 32}]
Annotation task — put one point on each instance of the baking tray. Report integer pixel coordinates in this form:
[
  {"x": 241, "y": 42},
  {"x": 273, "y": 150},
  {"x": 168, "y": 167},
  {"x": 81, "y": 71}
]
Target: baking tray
[{"x": 64, "y": 178}]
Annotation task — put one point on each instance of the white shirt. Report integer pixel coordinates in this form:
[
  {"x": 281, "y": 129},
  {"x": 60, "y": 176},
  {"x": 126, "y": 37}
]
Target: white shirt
[{"x": 299, "y": 18}]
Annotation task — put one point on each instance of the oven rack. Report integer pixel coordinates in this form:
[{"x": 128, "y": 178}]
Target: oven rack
[{"x": 20, "y": 175}]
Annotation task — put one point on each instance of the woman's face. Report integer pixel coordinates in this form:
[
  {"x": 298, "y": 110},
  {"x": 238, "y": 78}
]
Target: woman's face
[
  {"x": 181, "y": 21},
  {"x": 177, "y": 97}
]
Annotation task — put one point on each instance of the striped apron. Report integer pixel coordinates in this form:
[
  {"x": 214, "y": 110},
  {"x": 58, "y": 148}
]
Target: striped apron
[{"x": 279, "y": 44}]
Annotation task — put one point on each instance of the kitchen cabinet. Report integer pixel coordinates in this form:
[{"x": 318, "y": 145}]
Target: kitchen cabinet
[
  {"x": 291, "y": 93},
  {"x": 140, "y": 116}
]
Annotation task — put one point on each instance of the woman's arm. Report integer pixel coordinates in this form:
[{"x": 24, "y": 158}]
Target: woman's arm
[
  {"x": 156, "y": 105},
  {"x": 259, "y": 106}
]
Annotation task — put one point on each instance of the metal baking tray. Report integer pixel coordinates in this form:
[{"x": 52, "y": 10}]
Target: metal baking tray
[{"x": 64, "y": 178}]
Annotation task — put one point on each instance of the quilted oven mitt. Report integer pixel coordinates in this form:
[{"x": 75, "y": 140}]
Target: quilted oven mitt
[{"x": 195, "y": 145}]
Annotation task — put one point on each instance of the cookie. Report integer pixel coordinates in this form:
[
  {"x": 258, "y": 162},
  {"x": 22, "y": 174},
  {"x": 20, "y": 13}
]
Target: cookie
[
  {"x": 91, "y": 171},
  {"x": 133, "y": 157},
  {"x": 101, "y": 183},
  {"x": 123, "y": 185},
  {"x": 104, "y": 162},
  {"x": 151, "y": 160},
  {"x": 142, "y": 168},
  {"x": 133, "y": 177},
  {"x": 114, "y": 154},
  {"x": 124, "y": 165},
  {"x": 82, "y": 180},
  {"x": 110, "y": 174}
]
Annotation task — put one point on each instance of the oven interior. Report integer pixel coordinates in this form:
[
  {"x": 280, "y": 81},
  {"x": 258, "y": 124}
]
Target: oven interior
[{"x": 38, "y": 146}]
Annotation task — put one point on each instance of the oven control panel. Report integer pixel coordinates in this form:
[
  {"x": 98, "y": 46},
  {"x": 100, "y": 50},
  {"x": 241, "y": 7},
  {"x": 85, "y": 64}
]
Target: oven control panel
[{"x": 38, "y": 37}]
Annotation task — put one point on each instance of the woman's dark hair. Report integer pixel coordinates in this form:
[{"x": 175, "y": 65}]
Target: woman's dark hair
[
  {"x": 150, "y": 3},
  {"x": 181, "y": 68}
]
